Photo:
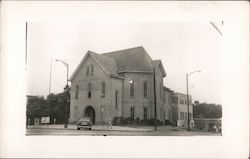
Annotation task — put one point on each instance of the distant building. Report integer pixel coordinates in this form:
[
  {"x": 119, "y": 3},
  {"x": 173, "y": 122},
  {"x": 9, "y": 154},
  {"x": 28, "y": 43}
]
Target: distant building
[
  {"x": 118, "y": 84},
  {"x": 180, "y": 110},
  {"x": 167, "y": 101}
]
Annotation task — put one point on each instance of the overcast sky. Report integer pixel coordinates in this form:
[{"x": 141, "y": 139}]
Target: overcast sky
[{"x": 182, "y": 47}]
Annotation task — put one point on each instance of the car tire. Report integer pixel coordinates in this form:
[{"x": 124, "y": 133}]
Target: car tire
[
  {"x": 89, "y": 128},
  {"x": 78, "y": 128}
]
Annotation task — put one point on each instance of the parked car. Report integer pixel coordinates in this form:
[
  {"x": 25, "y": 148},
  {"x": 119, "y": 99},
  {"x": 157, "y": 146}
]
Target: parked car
[{"x": 84, "y": 123}]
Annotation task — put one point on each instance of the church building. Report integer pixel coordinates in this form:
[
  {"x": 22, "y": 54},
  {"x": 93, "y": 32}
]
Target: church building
[{"x": 118, "y": 84}]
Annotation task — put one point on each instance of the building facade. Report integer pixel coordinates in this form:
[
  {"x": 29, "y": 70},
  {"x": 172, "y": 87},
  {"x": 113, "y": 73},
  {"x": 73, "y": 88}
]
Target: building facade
[
  {"x": 180, "y": 110},
  {"x": 167, "y": 100},
  {"x": 118, "y": 84}
]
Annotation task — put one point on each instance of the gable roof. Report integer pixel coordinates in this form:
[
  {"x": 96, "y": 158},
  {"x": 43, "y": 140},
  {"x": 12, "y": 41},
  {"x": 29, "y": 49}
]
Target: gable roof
[
  {"x": 128, "y": 60},
  {"x": 131, "y": 60},
  {"x": 106, "y": 63},
  {"x": 156, "y": 64}
]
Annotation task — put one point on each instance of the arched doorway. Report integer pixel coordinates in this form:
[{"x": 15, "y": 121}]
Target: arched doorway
[{"x": 90, "y": 112}]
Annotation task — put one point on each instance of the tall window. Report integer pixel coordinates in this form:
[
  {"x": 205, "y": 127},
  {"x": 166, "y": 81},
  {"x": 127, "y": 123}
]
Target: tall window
[
  {"x": 103, "y": 89},
  {"x": 132, "y": 112},
  {"x": 116, "y": 99},
  {"x": 145, "y": 113},
  {"x": 181, "y": 101},
  {"x": 182, "y": 115},
  {"x": 169, "y": 99},
  {"x": 87, "y": 71},
  {"x": 89, "y": 90},
  {"x": 92, "y": 70},
  {"x": 132, "y": 88},
  {"x": 145, "y": 88},
  {"x": 77, "y": 91}
]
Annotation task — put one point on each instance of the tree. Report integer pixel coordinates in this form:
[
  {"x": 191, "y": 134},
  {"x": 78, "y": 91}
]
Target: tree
[
  {"x": 207, "y": 110},
  {"x": 54, "y": 106}
]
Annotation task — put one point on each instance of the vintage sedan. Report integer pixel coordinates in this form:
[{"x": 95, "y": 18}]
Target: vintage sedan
[{"x": 84, "y": 123}]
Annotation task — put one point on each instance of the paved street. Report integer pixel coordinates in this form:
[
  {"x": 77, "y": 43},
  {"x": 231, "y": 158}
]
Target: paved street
[{"x": 118, "y": 131}]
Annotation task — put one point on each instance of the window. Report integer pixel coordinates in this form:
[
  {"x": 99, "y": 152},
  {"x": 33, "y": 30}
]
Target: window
[
  {"x": 145, "y": 88},
  {"x": 132, "y": 112},
  {"x": 182, "y": 115},
  {"x": 87, "y": 72},
  {"x": 181, "y": 101},
  {"x": 145, "y": 113},
  {"x": 77, "y": 91},
  {"x": 175, "y": 100},
  {"x": 89, "y": 90},
  {"x": 186, "y": 115},
  {"x": 92, "y": 70},
  {"x": 132, "y": 89},
  {"x": 103, "y": 89},
  {"x": 116, "y": 99},
  {"x": 185, "y": 102},
  {"x": 190, "y": 116},
  {"x": 169, "y": 99}
]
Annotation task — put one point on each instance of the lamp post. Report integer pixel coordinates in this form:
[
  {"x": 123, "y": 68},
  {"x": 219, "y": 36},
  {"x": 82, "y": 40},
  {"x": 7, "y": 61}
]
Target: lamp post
[
  {"x": 66, "y": 89},
  {"x": 187, "y": 75},
  {"x": 155, "y": 127}
]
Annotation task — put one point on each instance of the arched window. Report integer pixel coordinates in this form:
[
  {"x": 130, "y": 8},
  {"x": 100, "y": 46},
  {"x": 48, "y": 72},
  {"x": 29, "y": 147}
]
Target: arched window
[
  {"x": 92, "y": 70},
  {"x": 89, "y": 90},
  {"x": 116, "y": 99},
  {"x": 145, "y": 88},
  {"x": 77, "y": 91},
  {"x": 132, "y": 88},
  {"x": 87, "y": 71}
]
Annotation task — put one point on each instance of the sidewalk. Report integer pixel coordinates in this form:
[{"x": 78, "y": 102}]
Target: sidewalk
[{"x": 94, "y": 127}]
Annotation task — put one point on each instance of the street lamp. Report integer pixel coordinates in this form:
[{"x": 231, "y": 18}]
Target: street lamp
[
  {"x": 66, "y": 89},
  {"x": 187, "y": 75}
]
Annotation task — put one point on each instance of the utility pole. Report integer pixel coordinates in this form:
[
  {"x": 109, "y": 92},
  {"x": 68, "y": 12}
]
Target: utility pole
[
  {"x": 187, "y": 75},
  {"x": 67, "y": 93},
  {"x": 50, "y": 76},
  {"x": 155, "y": 100},
  {"x": 188, "y": 103}
]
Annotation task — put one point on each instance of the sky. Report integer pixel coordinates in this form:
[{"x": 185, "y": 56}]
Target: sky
[{"x": 182, "y": 47}]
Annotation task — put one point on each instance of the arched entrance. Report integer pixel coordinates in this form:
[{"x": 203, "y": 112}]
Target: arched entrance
[{"x": 90, "y": 112}]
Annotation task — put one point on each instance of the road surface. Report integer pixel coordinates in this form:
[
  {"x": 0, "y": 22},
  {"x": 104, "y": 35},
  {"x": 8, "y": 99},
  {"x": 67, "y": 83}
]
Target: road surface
[{"x": 55, "y": 132}]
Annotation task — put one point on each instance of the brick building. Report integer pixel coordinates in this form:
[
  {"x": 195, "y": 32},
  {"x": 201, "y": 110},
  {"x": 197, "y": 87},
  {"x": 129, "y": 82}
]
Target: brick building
[
  {"x": 118, "y": 84},
  {"x": 180, "y": 111}
]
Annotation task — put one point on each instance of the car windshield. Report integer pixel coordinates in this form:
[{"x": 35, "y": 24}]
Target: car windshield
[{"x": 84, "y": 119}]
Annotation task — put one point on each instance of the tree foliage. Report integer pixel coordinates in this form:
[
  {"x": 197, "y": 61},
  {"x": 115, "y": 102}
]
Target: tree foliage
[
  {"x": 54, "y": 106},
  {"x": 207, "y": 110}
]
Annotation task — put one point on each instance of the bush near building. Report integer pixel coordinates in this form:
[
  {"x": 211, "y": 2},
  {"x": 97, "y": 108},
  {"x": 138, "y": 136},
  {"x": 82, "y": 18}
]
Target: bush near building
[{"x": 135, "y": 121}]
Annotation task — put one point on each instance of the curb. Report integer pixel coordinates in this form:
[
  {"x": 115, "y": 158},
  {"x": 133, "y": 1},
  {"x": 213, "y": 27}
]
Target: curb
[{"x": 148, "y": 130}]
